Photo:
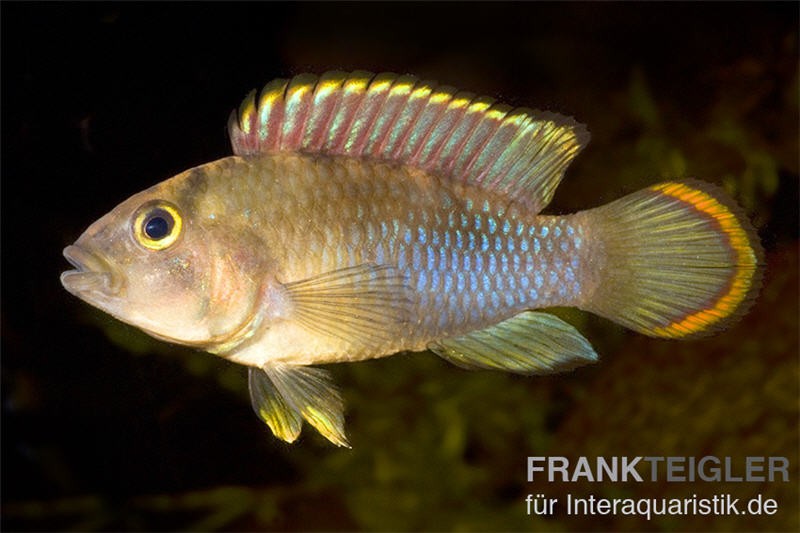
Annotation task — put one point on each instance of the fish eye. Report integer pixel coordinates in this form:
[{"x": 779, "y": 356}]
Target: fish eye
[{"x": 157, "y": 225}]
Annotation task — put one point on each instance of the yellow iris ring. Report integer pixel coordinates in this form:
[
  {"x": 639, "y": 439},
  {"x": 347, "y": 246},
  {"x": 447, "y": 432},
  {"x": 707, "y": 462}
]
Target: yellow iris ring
[
  {"x": 149, "y": 210},
  {"x": 746, "y": 261}
]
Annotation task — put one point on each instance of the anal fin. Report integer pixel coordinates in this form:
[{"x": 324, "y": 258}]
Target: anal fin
[
  {"x": 528, "y": 343},
  {"x": 284, "y": 395}
]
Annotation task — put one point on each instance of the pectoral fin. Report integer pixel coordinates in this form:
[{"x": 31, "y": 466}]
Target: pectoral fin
[
  {"x": 364, "y": 304},
  {"x": 528, "y": 343},
  {"x": 283, "y": 395}
]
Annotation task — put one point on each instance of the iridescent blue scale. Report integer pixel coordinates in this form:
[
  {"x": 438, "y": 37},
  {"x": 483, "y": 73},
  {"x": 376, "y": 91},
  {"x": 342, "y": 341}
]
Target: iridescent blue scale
[
  {"x": 363, "y": 215},
  {"x": 474, "y": 264}
]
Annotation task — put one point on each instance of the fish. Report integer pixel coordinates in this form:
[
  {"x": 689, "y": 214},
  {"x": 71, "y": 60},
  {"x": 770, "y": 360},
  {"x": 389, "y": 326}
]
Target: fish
[{"x": 363, "y": 215}]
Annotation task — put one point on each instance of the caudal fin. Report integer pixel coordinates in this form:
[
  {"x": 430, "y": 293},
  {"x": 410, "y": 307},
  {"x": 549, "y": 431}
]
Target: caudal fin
[{"x": 681, "y": 260}]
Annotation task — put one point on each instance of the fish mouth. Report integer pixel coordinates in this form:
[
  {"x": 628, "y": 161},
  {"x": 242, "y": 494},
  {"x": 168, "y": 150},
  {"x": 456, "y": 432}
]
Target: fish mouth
[{"x": 92, "y": 275}]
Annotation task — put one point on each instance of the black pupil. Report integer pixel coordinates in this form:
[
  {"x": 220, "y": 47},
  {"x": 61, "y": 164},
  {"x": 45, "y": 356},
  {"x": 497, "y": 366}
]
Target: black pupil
[{"x": 157, "y": 226}]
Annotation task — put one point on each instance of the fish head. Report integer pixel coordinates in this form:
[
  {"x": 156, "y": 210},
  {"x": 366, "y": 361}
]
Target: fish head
[{"x": 154, "y": 263}]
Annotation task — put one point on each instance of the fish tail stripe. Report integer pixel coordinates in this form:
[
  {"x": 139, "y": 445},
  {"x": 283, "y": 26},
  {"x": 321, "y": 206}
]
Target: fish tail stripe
[
  {"x": 400, "y": 119},
  {"x": 680, "y": 259},
  {"x": 746, "y": 261}
]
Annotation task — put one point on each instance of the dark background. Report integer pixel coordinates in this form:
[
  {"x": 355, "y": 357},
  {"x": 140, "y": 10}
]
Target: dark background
[{"x": 106, "y": 429}]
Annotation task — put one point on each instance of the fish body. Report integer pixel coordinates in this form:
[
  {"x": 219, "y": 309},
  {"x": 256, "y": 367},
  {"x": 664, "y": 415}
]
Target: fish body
[{"x": 366, "y": 215}]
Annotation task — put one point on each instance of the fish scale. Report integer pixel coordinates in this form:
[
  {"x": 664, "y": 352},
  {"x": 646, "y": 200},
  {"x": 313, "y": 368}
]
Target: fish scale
[
  {"x": 363, "y": 215},
  {"x": 468, "y": 265}
]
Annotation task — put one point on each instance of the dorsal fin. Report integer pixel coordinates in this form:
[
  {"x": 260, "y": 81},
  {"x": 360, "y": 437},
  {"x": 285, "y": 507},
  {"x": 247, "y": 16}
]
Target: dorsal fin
[{"x": 456, "y": 135}]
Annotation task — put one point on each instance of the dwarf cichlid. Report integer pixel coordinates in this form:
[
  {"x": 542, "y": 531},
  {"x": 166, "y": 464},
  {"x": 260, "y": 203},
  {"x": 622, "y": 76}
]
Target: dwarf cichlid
[{"x": 362, "y": 215}]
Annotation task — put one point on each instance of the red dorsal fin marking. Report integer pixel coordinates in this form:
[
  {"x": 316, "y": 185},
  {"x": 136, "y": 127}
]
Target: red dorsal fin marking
[{"x": 400, "y": 119}]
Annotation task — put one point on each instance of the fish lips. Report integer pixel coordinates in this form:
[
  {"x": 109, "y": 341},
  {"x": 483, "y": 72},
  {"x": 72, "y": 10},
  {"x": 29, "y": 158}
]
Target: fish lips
[{"x": 92, "y": 278}]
